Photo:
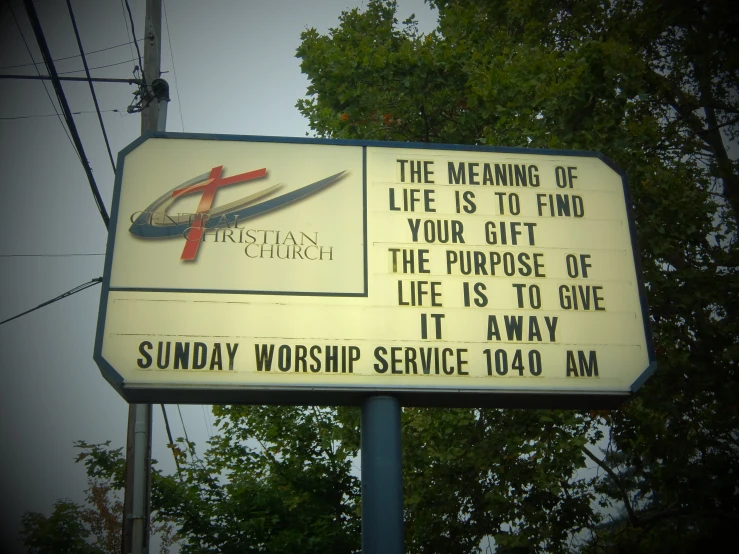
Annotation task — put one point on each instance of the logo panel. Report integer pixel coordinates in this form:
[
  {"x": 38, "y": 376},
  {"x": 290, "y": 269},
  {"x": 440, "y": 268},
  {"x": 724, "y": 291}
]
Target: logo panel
[{"x": 248, "y": 221}]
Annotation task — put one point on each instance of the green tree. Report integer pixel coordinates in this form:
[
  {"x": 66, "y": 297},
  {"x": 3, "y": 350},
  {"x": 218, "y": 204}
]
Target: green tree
[
  {"x": 63, "y": 532},
  {"x": 94, "y": 527},
  {"x": 275, "y": 479},
  {"x": 280, "y": 479},
  {"x": 652, "y": 85}
]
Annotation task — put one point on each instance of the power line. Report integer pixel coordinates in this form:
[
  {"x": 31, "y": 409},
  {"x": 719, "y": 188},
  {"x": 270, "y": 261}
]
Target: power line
[
  {"x": 207, "y": 423},
  {"x": 38, "y": 31},
  {"x": 28, "y": 49},
  {"x": 128, "y": 33},
  {"x": 6, "y": 118},
  {"x": 92, "y": 88},
  {"x": 187, "y": 438},
  {"x": 46, "y": 255},
  {"x": 183, "y": 424},
  {"x": 171, "y": 440},
  {"x": 97, "y": 67},
  {"x": 135, "y": 42},
  {"x": 40, "y": 77},
  {"x": 68, "y": 57},
  {"x": 174, "y": 70},
  {"x": 70, "y": 292}
]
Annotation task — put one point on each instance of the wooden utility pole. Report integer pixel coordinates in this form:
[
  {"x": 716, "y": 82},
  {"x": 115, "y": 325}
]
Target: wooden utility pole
[
  {"x": 137, "y": 500},
  {"x": 154, "y": 112}
]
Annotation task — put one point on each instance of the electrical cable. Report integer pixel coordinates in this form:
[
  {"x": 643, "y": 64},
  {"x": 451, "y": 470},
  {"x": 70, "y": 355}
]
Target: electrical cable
[
  {"x": 135, "y": 42},
  {"x": 70, "y": 57},
  {"x": 8, "y": 118},
  {"x": 41, "y": 40},
  {"x": 125, "y": 24},
  {"x": 75, "y": 79},
  {"x": 70, "y": 292},
  {"x": 207, "y": 423},
  {"x": 28, "y": 49},
  {"x": 97, "y": 67},
  {"x": 189, "y": 444},
  {"x": 171, "y": 440},
  {"x": 92, "y": 88},
  {"x": 174, "y": 70},
  {"x": 45, "y": 255}
]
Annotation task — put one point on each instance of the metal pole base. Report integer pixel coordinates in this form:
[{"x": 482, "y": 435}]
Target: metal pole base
[{"x": 382, "y": 477}]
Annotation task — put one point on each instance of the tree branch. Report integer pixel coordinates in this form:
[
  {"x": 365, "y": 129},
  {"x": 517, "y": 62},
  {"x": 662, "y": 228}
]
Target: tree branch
[
  {"x": 725, "y": 166},
  {"x": 425, "y": 123},
  {"x": 719, "y": 126},
  {"x": 685, "y": 105},
  {"x": 617, "y": 480}
]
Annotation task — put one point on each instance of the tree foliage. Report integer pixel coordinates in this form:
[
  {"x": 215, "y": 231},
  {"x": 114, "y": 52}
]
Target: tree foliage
[
  {"x": 653, "y": 85},
  {"x": 64, "y": 531},
  {"x": 277, "y": 479},
  {"x": 273, "y": 480},
  {"x": 94, "y": 527}
]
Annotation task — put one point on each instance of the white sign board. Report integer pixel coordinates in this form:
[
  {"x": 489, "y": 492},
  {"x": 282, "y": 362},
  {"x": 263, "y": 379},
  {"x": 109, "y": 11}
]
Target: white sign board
[{"x": 261, "y": 270}]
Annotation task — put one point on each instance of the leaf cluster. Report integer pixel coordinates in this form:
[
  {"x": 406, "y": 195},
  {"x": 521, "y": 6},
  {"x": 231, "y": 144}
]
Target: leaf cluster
[{"x": 274, "y": 478}]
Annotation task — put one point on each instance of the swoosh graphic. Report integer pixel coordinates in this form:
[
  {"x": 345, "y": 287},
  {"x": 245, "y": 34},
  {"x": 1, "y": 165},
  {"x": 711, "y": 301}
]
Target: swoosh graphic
[{"x": 142, "y": 228}]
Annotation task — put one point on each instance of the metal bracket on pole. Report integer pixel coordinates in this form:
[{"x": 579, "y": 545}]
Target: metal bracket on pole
[
  {"x": 160, "y": 91},
  {"x": 382, "y": 476}
]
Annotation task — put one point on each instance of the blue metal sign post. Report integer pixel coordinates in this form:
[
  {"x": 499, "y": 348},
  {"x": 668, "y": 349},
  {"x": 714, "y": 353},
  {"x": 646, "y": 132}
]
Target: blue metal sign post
[{"x": 382, "y": 477}]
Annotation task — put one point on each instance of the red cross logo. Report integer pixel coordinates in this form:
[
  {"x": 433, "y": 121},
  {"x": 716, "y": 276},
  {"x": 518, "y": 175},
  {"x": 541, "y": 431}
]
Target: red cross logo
[{"x": 208, "y": 187}]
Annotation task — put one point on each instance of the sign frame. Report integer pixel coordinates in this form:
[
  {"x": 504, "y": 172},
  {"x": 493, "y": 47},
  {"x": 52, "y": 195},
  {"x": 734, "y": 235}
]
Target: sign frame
[{"x": 299, "y": 394}]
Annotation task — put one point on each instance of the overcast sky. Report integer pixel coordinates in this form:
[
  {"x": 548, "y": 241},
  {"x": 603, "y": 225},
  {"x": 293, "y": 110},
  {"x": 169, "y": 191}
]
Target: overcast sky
[{"x": 231, "y": 70}]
